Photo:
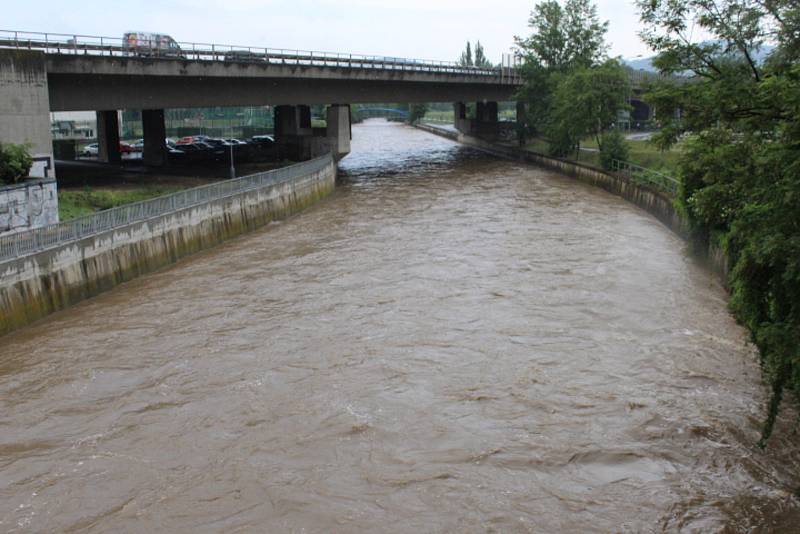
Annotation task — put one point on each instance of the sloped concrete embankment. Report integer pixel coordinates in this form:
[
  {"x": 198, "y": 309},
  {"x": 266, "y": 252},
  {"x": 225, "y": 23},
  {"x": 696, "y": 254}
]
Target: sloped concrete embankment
[{"x": 36, "y": 285}]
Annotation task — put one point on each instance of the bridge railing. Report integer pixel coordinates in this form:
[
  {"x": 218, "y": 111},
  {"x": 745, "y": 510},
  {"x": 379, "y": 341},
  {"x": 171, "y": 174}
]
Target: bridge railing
[
  {"x": 38, "y": 239},
  {"x": 646, "y": 176},
  {"x": 56, "y": 43}
]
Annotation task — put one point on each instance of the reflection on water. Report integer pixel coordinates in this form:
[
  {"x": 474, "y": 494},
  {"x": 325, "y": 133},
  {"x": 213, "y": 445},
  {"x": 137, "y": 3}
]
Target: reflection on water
[{"x": 448, "y": 343}]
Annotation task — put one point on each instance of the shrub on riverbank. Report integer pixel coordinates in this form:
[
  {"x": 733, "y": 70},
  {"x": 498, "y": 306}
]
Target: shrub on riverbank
[{"x": 15, "y": 163}]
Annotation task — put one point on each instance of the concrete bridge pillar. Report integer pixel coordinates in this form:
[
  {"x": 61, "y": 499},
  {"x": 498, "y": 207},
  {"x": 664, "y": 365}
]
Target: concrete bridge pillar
[
  {"x": 154, "y": 153},
  {"x": 461, "y": 121},
  {"x": 339, "y": 130},
  {"x": 292, "y": 120},
  {"x": 108, "y": 137},
  {"x": 522, "y": 122},
  {"x": 486, "y": 112},
  {"x": 25, "y": 107}
]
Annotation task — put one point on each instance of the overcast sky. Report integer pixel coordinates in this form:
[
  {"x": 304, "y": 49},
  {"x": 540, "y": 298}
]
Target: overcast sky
[{"x": 425, "y": 29}]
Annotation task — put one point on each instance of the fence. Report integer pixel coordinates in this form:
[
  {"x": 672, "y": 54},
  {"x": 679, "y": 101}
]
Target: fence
[
  {"x": 56, "y": 43},
  {"x": 31, "y": 241},
  {"x": 646, "y": 176}
]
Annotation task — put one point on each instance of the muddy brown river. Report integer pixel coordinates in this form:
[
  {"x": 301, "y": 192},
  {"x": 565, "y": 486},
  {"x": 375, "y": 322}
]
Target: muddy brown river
[{"x": 448, "y": 343}]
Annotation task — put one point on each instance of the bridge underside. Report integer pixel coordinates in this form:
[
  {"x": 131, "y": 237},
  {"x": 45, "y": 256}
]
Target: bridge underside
[{"x": 74, "y": 92}]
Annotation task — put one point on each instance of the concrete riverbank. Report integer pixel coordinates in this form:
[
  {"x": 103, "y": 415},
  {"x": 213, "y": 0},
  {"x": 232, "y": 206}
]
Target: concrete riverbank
[{"x": 36, "y": 284}]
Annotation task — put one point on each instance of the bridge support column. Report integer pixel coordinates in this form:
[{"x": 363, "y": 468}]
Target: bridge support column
[
  {"x": 461, "y": 122},
  {"x": 293, "y": 133},
  {"x": 339, "y": 130},
  {"x": 486, "y": 123},
  {"x": 108, "y": 137},
  {"x": 154, "y": 153},
  {"x": 25, "y": 107},
  {"x": 522, "y": 123}
]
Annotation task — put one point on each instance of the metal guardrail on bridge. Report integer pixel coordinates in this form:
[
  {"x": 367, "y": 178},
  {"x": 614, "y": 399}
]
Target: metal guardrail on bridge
[
  {"x": 57, "y": 43},
  {"x": 39, "y": 239}
]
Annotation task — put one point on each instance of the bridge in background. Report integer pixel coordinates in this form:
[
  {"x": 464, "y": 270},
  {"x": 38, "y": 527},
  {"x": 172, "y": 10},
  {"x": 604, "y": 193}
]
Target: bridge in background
[{"x": 42, "y": 72}]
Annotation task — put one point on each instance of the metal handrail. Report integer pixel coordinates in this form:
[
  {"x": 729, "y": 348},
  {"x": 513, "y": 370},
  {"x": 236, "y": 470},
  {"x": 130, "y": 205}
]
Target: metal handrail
[
  {"x": 32, "y": 241},
  {"x": 645, "y": 175},
  {"x": 59, "y": 43}
]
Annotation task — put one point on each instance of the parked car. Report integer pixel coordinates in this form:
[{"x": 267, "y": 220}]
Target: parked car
[
  {"x": 236, "y": 142},
  {"x": 138, "y": 145},
  {"x": 146, "y": 44},
  {"x": 191, "y": 139},
  {"x": 91, "y": 150},
  {"x": 263, "y": 139},
  {"x": 125, "y": 148}
]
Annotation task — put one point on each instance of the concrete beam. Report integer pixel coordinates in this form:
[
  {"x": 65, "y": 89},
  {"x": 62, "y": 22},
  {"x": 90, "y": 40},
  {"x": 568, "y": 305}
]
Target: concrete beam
[
  {"x": 154, "y": 153},
  {"x": 25, "y": 107},
  {"x": 108, "y": 137}
]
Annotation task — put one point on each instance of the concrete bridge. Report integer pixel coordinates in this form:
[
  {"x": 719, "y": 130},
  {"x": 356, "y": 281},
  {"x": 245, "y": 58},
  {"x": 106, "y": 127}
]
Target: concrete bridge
[{"x": 40, "y": 73}]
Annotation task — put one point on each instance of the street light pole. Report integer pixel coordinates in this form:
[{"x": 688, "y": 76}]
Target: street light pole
[{"x": 230, "y": 140}]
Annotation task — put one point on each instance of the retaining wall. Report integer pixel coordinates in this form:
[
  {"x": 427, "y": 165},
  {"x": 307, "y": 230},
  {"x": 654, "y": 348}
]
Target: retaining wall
[
  {"x": 38, "y": 284},
  {"x": 29, "y": 204}
]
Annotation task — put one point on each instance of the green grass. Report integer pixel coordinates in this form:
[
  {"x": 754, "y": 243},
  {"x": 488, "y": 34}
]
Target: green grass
[
  {"x": 642, "y": 153},
  {"x": 72, "y": 203},
  {"x": 439, "y": 116}
]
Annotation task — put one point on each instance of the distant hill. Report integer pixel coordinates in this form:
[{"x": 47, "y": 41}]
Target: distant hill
[{"x": 646, "y": 63}]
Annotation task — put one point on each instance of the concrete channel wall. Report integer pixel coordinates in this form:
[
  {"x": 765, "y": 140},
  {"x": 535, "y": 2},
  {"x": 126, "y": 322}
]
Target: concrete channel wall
[{"x": 43, "y": 282}]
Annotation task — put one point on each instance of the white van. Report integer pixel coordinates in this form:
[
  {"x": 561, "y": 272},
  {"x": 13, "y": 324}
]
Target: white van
[{"x": 150, "y": 45}]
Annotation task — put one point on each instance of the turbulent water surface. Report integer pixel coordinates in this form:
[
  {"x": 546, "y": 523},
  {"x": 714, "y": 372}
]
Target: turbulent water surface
[{"x": 448, "y": 343}]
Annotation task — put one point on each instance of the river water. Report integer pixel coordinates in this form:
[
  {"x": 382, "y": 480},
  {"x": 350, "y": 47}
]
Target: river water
[{"x": 448, "y": 343}]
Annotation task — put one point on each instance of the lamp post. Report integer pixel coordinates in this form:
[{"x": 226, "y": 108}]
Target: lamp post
[{"x": 230, "y": 141}]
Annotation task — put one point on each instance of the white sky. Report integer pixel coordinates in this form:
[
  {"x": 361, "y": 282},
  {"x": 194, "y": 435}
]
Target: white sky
[{"x": 424, "y": 29}]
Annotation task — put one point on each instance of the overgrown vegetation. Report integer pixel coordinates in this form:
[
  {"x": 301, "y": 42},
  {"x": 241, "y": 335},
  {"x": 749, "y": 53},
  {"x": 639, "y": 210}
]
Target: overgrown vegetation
[
  {"x": 740, "y": 169},
  {"x": 72, "y": 204},
  {"x": 15, "y": 163}
]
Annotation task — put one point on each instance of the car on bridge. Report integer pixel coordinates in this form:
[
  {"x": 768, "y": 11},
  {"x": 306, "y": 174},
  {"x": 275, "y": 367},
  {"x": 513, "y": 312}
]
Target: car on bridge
[
  {"x": 244, "y": 56},
  {"x": 150, "y": 45}
]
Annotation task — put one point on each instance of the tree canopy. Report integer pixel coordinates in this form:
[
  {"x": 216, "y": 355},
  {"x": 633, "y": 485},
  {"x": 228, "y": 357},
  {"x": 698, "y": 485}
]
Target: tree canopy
[
  {"x": 478, "y": 60},
  {"x": 571, "y": 89}
]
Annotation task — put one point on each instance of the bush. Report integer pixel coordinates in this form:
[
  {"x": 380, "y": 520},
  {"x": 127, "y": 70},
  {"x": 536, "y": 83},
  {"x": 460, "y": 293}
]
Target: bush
[
  {"x": 612, "y": 146},
  {"x": 15, "y": 163}
]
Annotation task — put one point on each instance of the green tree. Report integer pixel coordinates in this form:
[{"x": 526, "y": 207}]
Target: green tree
[
  {"x": 480, "y": 57},
  {"x": 587, "y": 102},
  {"x": 563, "y": 38},
  {"x": 416, "y": 112},
  {"x": 466, "y": 56},
  {"x": 15, "y": 163},
  {"x": 740, "y": 171}
]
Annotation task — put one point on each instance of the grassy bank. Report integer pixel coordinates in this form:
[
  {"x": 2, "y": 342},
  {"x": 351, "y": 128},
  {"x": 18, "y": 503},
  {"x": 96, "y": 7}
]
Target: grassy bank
[
  {"x": 642, "y": 153},
  {"x": 76, "y": 203}
]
